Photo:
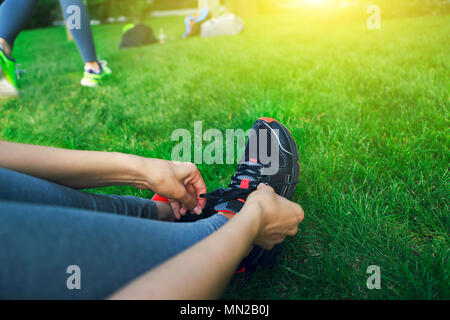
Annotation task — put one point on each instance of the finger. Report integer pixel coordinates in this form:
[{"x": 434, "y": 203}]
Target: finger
[
  {"x": 267, "y": 246},
  {"x": 183, "y": 210},
  {"x": 265, "y": 188},
  {"x": 176, "y": 209},
  {"x": 293, "y": 231},
  {"x": 297, "y": 211},
  {"x": 200, "y": 188},
  {"x": 272, "y": 240},
  {"x": 196, "y": 186},
  {"x": 191, "y": 190},
  {"x": 301, "y": 214},
  {"x": 280, "y": 239},
  {"x": 261, "y": 188},
  {"x": 189, "y": 201}
]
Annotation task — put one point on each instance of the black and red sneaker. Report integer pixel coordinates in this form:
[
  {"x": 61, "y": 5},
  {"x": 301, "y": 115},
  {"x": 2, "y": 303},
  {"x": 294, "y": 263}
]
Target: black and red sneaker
[{"x": 271, "y": 157}]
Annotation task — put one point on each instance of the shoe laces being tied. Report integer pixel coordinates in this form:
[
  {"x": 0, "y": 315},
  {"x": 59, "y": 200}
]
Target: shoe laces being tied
[{"x": 246, "y": 180}]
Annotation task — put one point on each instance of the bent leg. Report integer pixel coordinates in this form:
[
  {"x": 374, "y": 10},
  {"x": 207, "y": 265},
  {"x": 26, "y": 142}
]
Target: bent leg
[
  {"x": 14, "y": 16},
  {"x": 38, "y": 243},
  {"x": 83, "y": 35},
  {"x": 19, "y": 187}
]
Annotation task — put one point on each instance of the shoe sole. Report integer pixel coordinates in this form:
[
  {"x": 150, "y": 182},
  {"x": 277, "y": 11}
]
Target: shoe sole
[
  {"x": 7, "y": 90},
  {"x": 88, "y": 84}
]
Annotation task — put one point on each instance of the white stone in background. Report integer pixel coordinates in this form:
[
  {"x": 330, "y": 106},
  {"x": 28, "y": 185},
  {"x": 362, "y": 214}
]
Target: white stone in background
[
  {"x": 7, "y": 90},
  {"x": 111, "y": 20},
  {"x": 95, "y": 22},
  {"x": 122, "y": 19},
  {"x": 225, "y": 25}
]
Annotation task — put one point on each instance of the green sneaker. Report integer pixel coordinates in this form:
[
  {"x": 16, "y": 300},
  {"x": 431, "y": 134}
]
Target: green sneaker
[
  {"x": 92, "y": 78},
  {"x": 8, "y": 66}
]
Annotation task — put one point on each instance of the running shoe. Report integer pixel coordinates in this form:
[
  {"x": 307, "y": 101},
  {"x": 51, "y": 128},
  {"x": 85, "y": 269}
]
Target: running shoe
[
  {"x": 92, "y": 78},
  {"x": 8, "y": 66},
  {"x": 268, "y": 139}
]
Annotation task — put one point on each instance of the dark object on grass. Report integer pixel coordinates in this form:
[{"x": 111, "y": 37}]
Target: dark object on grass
[{"x": 139, "y": 35}]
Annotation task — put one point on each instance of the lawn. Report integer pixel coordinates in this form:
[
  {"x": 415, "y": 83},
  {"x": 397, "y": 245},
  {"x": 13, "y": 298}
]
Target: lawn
[{"x": 369, "y": 110}]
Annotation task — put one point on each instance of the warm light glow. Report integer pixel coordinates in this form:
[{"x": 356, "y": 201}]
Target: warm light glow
[
  {"x": 342, "y": 3},
  {"x": 314, "y": 2},
  {"x": 310, "y": 2}
]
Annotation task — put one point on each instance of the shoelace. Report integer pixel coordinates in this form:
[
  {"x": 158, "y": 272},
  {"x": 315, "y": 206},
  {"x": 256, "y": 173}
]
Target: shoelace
[
  {"x": 247, "y": 170},
  {"x": 234, "y": 191}
]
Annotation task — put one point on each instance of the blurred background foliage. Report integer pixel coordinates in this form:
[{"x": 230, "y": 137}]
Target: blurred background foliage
[
  {"x": 49, "y": 11},
  {"x": 348, "y": 8}
]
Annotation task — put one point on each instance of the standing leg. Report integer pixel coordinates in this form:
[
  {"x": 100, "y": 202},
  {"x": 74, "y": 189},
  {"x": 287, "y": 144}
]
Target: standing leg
[
  {"x": 94, "y": 70},
  {"x": 14, "y": 15},
  {"x": 83, "y": 36}
]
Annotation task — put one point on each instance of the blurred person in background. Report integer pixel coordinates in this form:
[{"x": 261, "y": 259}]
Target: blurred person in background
[{"x": 14, "y": 16}]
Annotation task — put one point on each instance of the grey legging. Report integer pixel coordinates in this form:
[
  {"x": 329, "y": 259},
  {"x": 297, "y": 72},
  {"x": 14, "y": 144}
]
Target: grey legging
[
  {"x": 15, "y": 14},
  {"x": 45, "y": 228}
]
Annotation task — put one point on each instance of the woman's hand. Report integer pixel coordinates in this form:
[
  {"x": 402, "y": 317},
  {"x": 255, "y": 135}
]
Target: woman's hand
[
  {"x": 180, "y": 182},
  {"x": 266, "y": 219},
  {"x": 278, "y": 217}
]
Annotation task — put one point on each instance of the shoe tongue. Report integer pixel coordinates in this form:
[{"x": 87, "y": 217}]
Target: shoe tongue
[
  {"x": 246, "y": 179},
  {"x": 251, "y": 163}
]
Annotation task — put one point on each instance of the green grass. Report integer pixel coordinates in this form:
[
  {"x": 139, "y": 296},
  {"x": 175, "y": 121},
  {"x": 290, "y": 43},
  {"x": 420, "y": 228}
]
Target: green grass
[{"x": 369, "y": 110}]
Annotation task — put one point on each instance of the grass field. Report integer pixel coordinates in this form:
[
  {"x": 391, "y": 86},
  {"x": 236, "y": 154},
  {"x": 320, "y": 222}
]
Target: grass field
[{"x": 369, "y": 110}]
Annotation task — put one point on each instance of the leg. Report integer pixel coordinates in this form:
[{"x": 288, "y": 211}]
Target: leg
[
  {"x": 38, "y": 243},
  {"x": 95, "y": 71},
  {"x": 83, "y": 36},
  {"x": 14, "y": 15},
  {"x": 19, "y": 187}
]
